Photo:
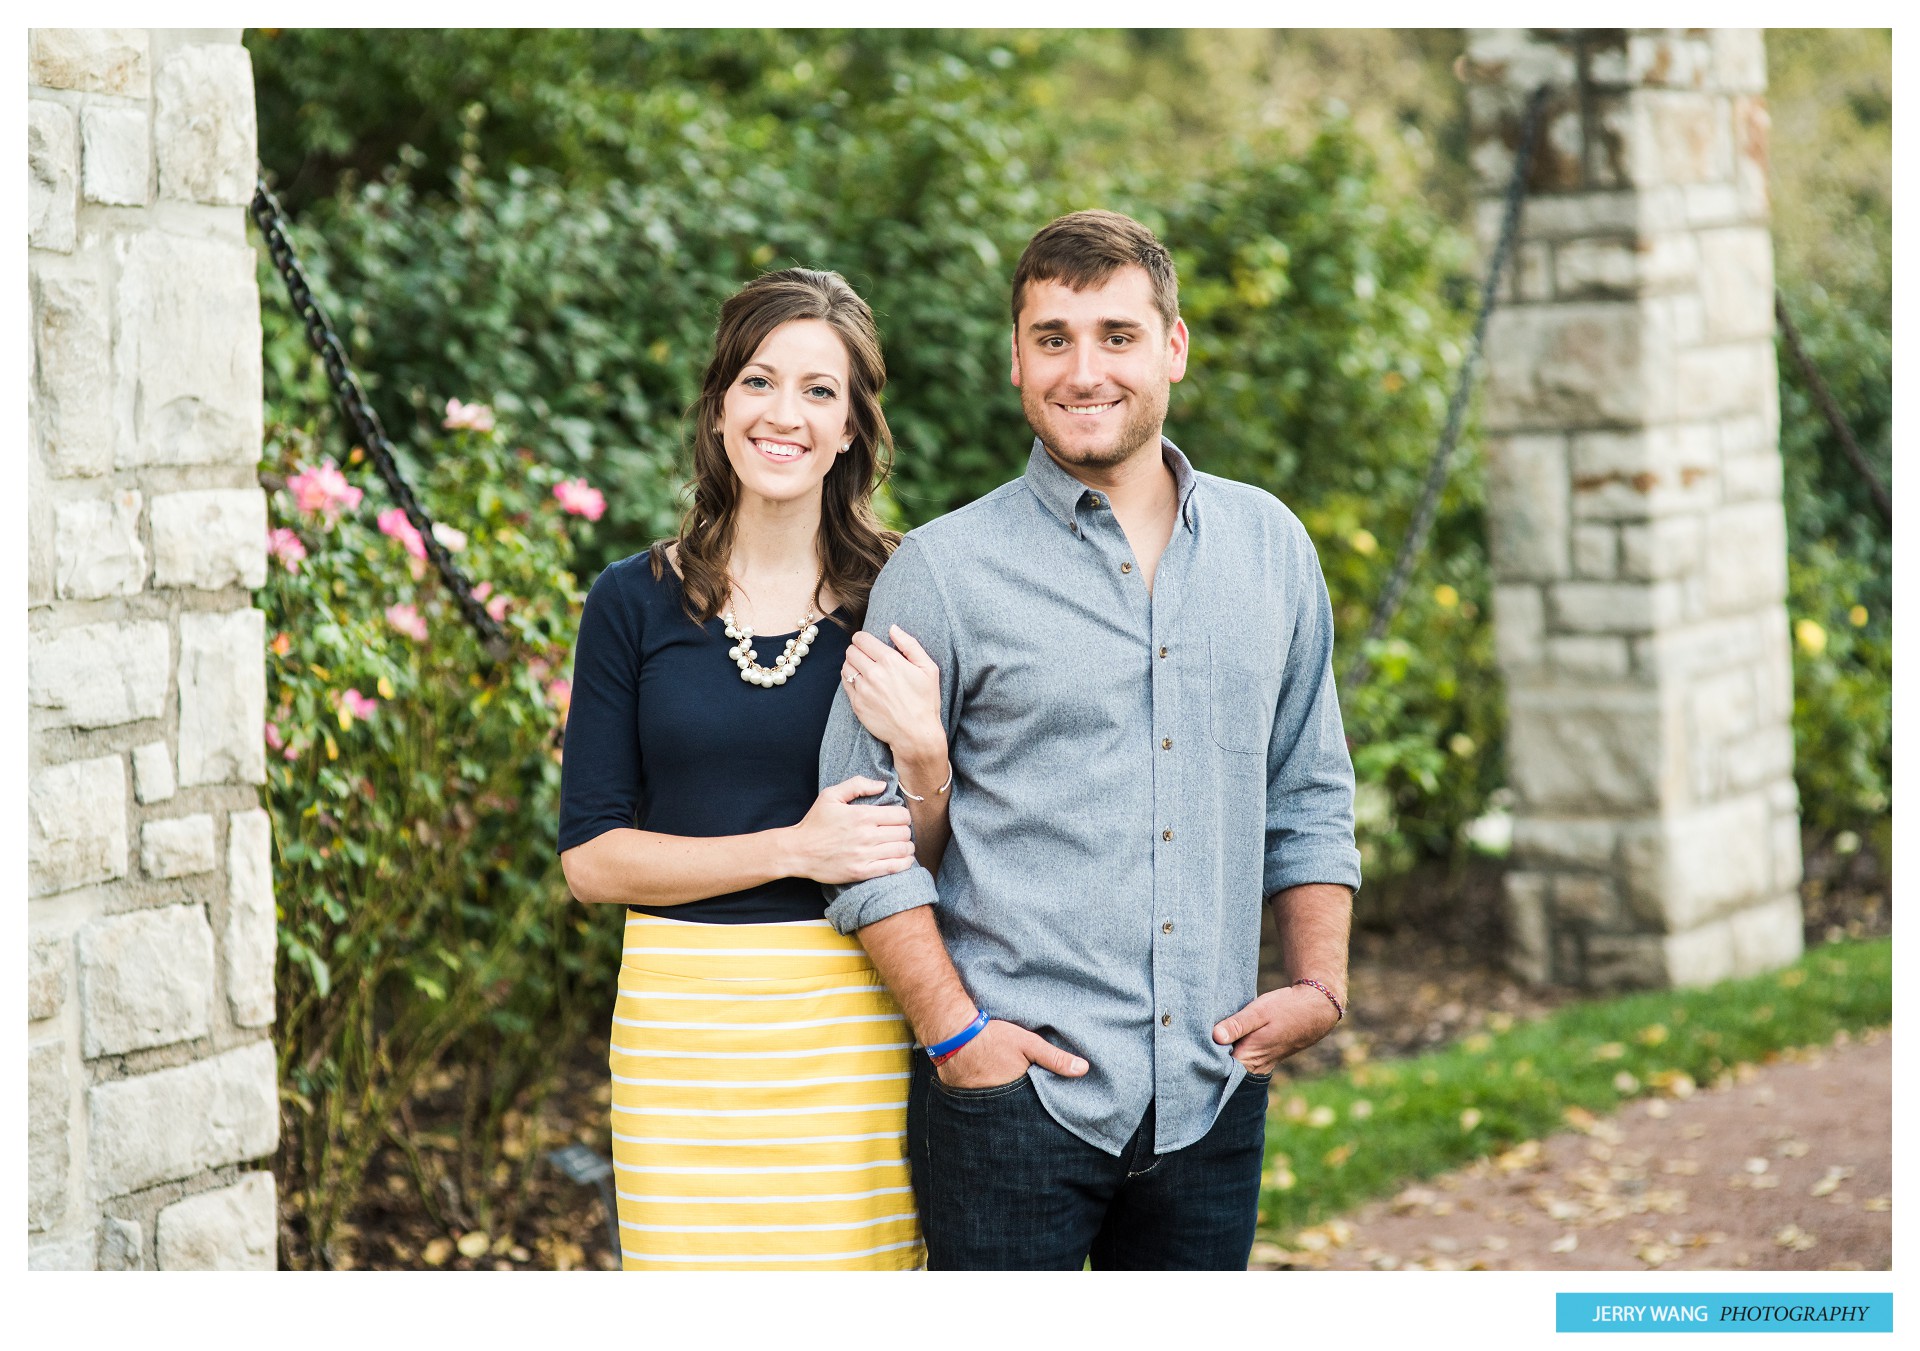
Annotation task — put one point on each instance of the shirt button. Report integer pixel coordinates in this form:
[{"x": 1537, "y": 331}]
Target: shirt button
[
  {"x": 1166, "y": 743},
  {"x": 1095, "y": 499},
  {"x": 1167, "y": 928},
  {"x": 1166, "y": 834},
  {"x": 1163, "y": 651},
  {"x": 1166, "y": 1020},
  {"x": 1126, "y": 567}
]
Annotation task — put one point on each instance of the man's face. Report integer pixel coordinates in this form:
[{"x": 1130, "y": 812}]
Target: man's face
[{"x": 1093, "y": 368}]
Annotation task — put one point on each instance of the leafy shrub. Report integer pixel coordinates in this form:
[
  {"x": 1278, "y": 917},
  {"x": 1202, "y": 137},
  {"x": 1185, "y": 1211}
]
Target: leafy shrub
[
  {"x": 1840, "y": 568},
  {"x": 412, "y": 790}
]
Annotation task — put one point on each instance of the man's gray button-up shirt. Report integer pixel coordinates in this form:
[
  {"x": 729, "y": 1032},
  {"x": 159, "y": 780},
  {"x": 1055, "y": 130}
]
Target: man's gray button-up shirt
[{"x": 1133, "y": 774}]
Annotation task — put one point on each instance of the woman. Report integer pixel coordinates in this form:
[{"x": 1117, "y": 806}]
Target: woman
[{"x": 759, "y": 1065}]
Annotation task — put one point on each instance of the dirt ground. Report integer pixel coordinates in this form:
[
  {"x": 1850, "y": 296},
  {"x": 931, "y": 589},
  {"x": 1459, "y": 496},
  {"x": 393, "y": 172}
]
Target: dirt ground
[{"x": 1790, "y": 1168}]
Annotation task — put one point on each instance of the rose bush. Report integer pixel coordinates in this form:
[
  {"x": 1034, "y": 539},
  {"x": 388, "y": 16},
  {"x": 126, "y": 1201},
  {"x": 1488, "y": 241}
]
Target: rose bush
[{"x": 422, "y": 914}]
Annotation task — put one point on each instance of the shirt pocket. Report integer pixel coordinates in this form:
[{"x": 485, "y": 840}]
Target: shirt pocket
[{"x": 1240, "y": 700}]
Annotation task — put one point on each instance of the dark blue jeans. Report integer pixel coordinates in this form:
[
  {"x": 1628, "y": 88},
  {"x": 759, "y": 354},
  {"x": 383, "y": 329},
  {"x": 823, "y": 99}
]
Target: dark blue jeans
[{"x": 1002, "y": 1186}]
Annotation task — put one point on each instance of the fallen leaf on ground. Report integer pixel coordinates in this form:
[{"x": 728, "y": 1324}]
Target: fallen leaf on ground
[
  {"x": 1794, "y": 1238},
  {"x": 1827, "y": 1185},
  {"x": 436, "y": 1253},
  {"x": 1413, "y": 1198},
  {"x": 474, "y": 1243},
  {"x": 1565, "y": 1243}
]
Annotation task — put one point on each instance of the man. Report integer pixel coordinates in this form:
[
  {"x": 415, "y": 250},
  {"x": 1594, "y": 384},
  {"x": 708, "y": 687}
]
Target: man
[{"x": 1135, "y": 666}]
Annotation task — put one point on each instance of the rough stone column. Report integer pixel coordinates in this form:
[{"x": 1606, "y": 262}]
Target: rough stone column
[
  {"x": 1638, "y": 540},
  {"x": 150, "y": 912}
]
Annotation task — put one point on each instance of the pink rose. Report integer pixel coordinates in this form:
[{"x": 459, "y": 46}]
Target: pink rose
[
  {"x": 560, "y": 694},
  {"x": 394, "y": 524},
  {"x": 274, "y": 739},
  {"x": 358, "y": 705},
  {"x": 470, "y": 417},
  {"x": 323, "y": 490},
  {"x": 577, "y": 499},
  {"x": 497, "y": 607},
  {"x": 405, "y": 619},
  {"x": 284, "y": 545}
]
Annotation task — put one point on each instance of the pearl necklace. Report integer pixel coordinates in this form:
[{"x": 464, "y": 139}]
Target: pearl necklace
[{"x": 784, "y": 665}]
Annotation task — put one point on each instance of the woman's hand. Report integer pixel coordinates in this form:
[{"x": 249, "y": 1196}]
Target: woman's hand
[
  {"x": 839, "y": 842},
  {"x": 896, "y": 696}
]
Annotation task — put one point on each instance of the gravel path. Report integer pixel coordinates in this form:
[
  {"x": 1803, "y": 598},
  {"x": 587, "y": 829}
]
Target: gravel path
[{"x": 1789, "y": 1168}]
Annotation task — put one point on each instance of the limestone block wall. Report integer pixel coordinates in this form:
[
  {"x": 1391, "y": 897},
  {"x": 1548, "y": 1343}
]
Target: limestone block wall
[
  {"x": 1638, "y": 538},
  {"x": 151, "y": 1086}
]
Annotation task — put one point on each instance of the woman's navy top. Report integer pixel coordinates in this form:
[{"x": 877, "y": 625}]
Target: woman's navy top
[{"x": 664, "y": 735}]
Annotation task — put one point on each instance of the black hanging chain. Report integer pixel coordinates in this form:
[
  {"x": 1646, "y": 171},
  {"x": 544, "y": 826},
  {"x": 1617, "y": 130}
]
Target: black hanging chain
[
  {"x": 1415, "y": 540},
  {"x": 365, "y": 422},
  {"x": 1830, "y": 409}
]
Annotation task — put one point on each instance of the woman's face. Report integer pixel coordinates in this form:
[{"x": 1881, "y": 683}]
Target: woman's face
[{"x": 788, "y": 412}]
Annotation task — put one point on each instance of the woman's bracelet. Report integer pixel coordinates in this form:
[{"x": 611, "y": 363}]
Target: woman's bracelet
[
  {"x": 1338, "y": 1013},
  {"x": 936, "y": 792},
  {"x": 942, "y": 1051}
]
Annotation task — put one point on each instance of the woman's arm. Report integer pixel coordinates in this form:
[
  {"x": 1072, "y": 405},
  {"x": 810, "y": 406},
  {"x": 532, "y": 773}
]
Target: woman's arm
[
  {"x": 833, "y": 842},
  {"x": 895, "y": 692}
]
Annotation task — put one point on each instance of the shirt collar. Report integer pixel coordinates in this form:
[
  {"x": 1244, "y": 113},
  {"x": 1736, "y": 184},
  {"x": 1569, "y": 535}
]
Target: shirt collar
[{"x": 1063, "y": 494}]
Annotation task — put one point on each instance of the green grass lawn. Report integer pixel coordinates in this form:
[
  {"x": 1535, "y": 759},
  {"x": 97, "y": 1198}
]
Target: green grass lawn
[{"x": 1336, "y": 1141}]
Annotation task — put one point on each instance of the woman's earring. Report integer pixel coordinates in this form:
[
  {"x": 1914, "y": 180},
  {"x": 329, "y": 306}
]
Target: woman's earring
[{"x": 845, "y": 446}]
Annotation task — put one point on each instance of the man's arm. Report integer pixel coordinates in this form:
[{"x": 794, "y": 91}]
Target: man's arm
[
  {"x": 1312, "y": 921},
  {"x": 903, "y": 594},
  {"x": 893, "y": 916},
  {"x": 907, "y": 952},
  {"x": 1312, "y": 867}
]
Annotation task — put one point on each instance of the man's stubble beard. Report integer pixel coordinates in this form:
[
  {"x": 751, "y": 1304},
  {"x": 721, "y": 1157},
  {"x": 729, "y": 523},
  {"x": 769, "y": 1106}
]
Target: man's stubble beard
[{"x": 1146, "y": 424}]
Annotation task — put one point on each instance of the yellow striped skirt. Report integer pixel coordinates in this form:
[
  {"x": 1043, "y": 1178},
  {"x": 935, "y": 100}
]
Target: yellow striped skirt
[{"x": 759, "y": 1102}]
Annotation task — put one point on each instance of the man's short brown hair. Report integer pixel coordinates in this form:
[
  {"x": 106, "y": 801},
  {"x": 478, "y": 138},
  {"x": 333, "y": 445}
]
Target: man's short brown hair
[{"x": 1085, "y": 248}]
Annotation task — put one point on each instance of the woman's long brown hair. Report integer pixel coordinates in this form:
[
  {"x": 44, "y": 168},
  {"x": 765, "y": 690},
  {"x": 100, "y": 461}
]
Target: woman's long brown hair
[{"x": 852, "y": 543}]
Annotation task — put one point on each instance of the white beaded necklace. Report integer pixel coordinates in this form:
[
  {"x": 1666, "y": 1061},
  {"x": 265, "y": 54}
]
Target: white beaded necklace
[{"x": 784, "y": 665}]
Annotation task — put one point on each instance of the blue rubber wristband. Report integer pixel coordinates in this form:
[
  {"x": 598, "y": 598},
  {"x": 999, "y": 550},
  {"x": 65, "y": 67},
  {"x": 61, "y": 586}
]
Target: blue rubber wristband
[{"x": 940, "y": 1050}]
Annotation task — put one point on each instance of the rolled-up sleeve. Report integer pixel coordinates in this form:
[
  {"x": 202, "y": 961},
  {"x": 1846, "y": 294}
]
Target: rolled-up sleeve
[
  {"x": 1309, "y": 773},
  {"x": 906, "y": 594}
]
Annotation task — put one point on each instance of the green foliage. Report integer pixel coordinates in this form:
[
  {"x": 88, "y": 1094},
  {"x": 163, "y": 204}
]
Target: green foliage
[
  {"x": 1831, "y": 100},
  {"x": 412, "y": 794},
  {"x": 1840, "y": 568},
  {"x": 583, "y": 305},
  {"x": 1492, "y": 1091}
]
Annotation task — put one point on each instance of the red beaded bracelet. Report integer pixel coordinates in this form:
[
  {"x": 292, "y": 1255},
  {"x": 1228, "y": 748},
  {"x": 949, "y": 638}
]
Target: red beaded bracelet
[{"x": 1338, "y": 1012}]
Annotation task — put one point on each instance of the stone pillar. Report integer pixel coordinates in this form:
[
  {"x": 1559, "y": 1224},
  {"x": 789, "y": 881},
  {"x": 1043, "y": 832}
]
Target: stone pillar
[
  {"x": 150, "y": 912},
  {"x": 1637, "y": 534}
]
